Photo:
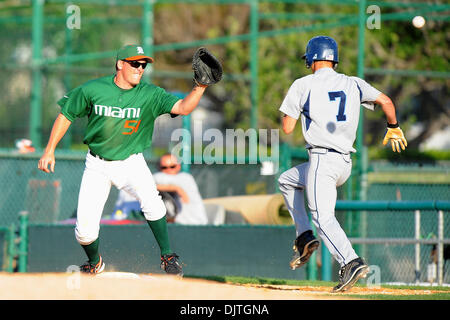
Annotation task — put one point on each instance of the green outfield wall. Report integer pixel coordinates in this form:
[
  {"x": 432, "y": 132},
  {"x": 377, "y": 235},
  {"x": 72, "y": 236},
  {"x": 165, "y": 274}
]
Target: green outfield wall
[
  {"x": 394, "y": 255},
  {"x": 51, "y": 198},
  {"x": 254, "y": 251}
]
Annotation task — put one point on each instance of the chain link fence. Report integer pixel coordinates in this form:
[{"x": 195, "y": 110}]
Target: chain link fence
[
  {"x": 402, "y": 245},
  {"x": 386, "y": 238},
  {"x": 35, "y": 35},
  {"x": 50, "y": 198}
]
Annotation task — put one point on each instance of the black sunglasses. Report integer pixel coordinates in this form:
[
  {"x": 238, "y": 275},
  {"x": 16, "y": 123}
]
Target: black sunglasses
[
  {"x": 137, "y": 64},
  {"x": 169, "y": 167}
]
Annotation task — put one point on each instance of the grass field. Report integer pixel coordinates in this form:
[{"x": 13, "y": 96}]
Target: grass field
[
  {"x": 408, "y": 177},
  {"x": 359, "y": 291}
]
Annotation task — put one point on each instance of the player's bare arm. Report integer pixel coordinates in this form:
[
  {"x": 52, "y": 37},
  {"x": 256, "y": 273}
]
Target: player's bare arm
[
  {"x": 388, "y": 108},
  {"x": 173, "y": 188},
  {"x": 288, "y": 124},
  {"x": 60, "y": 127},
  {"x": 189, "y": 103}
]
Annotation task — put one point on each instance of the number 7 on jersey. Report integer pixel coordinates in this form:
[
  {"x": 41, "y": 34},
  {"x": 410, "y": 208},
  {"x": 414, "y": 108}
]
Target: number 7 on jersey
[{"x": 342, "y": 97}]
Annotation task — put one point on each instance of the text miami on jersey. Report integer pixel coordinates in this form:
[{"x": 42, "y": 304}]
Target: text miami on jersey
[{"x": 117, "y": 112}]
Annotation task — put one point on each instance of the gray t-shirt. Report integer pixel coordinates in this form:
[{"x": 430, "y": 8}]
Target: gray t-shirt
[{"x": 192, "y": 212}]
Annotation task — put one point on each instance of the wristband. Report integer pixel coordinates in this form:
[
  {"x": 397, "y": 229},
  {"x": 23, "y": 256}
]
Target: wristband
[{"x": 395, "y": 125}]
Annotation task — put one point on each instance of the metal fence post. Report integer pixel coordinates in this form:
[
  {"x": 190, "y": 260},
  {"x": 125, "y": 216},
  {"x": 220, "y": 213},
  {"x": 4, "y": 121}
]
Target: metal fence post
[
  {"x": 36, "y": 89},
  {"x": 311, "y": 270},
  {"x": 254, "y": 29},
  {"x": 23, "y": 245},
  {"x": 147, "y": 20},
  {"x": 285, "y": 158},
  {"x": 440, "y": 247},
  {"x": 11, "y": 248},
  {"x": 417, "y": 245},
  {"x": 147, "y": 32},
  {"x": 326, "y": 264},
  {"x": 68, "y": 76},
  {"x": 186, "y": 144},
  {"x": 360, "y": 72}
]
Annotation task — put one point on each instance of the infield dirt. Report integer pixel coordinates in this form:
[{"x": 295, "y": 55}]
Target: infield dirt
[{"x": 128, "y": 286}]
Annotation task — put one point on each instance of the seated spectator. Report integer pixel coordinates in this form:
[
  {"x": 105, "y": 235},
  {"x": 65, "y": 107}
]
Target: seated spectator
[
  {"x": 183, "y": 188},
  {"x": 178, "y": 190}
]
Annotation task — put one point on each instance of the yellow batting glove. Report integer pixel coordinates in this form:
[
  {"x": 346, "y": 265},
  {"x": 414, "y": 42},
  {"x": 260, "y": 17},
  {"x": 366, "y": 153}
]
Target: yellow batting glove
[{"x": 397, "y": 138}]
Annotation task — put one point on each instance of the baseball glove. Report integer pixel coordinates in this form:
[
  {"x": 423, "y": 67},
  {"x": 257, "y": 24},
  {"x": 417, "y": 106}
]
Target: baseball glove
[
  {"x": 207, "y": 69},
  {"x": 395, "y": 135}
]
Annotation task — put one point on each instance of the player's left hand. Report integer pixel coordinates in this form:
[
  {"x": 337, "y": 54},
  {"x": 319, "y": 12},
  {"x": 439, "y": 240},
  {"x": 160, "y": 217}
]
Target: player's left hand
[
  {"x": 397, "y": 138},
  {"x": 48, "y": 159}
]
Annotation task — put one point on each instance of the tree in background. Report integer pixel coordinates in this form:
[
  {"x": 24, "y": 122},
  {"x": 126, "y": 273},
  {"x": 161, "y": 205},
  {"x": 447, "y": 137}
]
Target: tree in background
[{"x": 422, "y": 102}]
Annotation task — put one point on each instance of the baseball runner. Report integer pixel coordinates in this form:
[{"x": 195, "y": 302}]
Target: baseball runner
[
  {"x": 121, "y": 112},
  {"x": 328, "y": 104}
]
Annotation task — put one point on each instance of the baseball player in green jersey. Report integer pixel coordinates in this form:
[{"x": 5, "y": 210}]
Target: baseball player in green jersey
[{"x": 121, "y": 111}]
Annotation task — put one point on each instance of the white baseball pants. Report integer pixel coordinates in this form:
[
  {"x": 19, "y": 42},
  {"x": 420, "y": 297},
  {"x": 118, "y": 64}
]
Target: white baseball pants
[
  {"x": 131, "y": 174},
  {"x": 320, "y": 177}
]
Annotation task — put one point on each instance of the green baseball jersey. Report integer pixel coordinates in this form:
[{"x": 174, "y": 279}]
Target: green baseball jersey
[{"x": 120, "y": 122}]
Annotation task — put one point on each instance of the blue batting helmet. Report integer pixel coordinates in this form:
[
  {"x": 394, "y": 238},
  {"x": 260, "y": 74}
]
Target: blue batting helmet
[{"x": 321, "y": 48}]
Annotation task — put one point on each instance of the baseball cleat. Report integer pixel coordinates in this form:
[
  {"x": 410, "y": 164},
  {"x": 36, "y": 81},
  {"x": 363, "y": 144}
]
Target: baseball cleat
[
  {"x": 91, "y": 268},
  {"x": 304, "y": 246},
  {"x": 170, "y": 264},
  {"x": 350, "y": 273}
]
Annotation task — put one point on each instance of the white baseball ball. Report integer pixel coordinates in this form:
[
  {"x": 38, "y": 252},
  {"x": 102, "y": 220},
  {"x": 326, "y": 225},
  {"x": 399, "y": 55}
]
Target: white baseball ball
[{"x": 418, "y": 21}]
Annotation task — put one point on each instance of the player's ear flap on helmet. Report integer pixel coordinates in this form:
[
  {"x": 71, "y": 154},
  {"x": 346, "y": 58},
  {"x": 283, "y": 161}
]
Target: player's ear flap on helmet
[{"x": 304, "y": 57}]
